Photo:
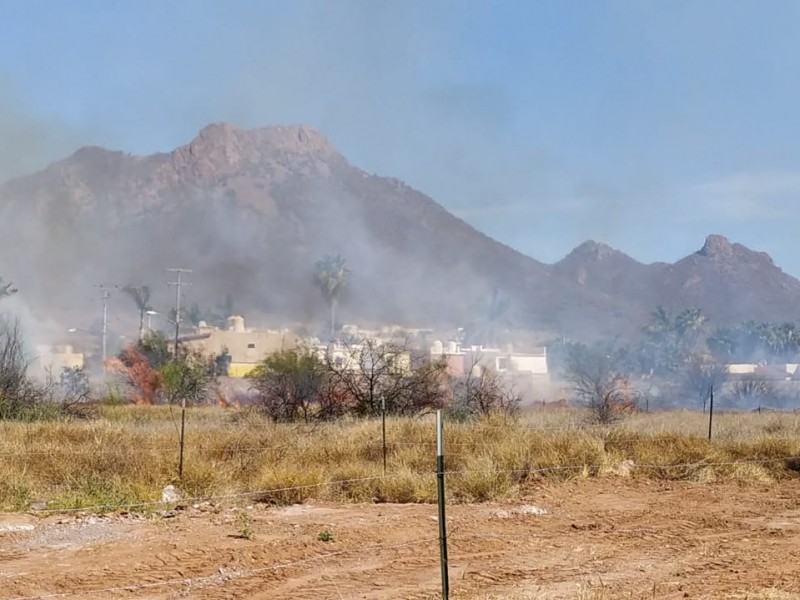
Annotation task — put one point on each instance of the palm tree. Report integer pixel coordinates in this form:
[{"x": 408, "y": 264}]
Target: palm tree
[
  {"x": 689, "y": 324},
  {"x": 660, "y": 337},
  {"x": 660, "y": 323},
  {"x": 787, "y": 341},
  {"x": 722, "y": 344},
  {"x": 330, "y": 277},
  {"x": 7, "y": 289},
  {"x": 141, "y": 297}
]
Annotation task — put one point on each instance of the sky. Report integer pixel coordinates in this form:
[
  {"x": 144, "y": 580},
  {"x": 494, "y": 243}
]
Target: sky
[{"x": 644, "y": 125}]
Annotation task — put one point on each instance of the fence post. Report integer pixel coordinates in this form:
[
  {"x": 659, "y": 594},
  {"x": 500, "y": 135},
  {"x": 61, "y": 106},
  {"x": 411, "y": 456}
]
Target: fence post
[
  {"x": 183, "y": 429},
  {"x": 383, "y": 430},
  {"x": 440, "y": 495},
  {"x": 710, "y": 411}
]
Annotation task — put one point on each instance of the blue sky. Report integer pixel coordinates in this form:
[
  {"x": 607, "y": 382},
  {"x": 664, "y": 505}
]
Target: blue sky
[{"x": 645, "y": 125}]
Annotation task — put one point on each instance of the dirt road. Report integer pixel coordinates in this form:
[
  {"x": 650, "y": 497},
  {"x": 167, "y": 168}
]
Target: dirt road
[{"x": 597, "y": 539}]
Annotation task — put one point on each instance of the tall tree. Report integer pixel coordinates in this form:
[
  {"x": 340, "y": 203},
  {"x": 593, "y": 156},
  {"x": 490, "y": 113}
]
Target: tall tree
[
  {"x": 722, "y": 343},
  {"x": 660, "y": 340},
  {"x": 141, "y": 297},
  {"x": 689, "y": 325},
  {"x": 670, "y": 341},
  {"x": 330, "y": 277},
  {"x": 755, "y": 342}
]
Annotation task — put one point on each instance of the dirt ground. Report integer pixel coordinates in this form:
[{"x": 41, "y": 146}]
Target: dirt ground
[{"x": 597, "y": 539}]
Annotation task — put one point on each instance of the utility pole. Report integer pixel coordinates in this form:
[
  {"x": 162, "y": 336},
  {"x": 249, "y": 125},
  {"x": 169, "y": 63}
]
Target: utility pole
[
  {"x": 106, "y": 294},
  {"x": 178, "y": 283}
]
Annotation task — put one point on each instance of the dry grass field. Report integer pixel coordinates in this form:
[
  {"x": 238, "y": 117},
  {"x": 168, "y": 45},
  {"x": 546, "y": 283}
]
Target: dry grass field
[
  {"x": 128, "y": 455},
  {"x": 540, "y": 507}
]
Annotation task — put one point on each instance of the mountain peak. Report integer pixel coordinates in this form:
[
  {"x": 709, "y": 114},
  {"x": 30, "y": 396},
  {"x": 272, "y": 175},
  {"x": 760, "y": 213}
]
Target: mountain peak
[
  {"x": 719, "y": 249},
  {"x": 218, "y": 133},
  {"x": 717, "y": 246},
  {"x": 592, "y": 251},
  {"x": 223, "y": 148},
  {"x": 232, "y": 139}
]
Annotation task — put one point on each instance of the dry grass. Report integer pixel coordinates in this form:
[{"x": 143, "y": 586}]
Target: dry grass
[{"x": 130, "y": 453}]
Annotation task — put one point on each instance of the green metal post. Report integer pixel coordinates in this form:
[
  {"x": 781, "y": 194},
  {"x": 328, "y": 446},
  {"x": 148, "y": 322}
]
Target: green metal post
[
  {"x": 440, "y": 490},
  {"x": 710, "y": 412},
  {"x": 383, "y": 431}
]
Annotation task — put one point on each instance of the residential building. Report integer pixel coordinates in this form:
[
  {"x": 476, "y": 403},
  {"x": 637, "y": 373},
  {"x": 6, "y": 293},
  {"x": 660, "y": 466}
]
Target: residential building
[
  {"x": 463, "y": 360},
  {"x": 362, "y": 356},
  {"x": 54, "y": 359},
  {"x": 246, "y": 347}
]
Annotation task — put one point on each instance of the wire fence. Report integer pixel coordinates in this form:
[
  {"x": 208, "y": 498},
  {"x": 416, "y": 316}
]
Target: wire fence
[
  {"x": 528, "y": 472},
  {"x": 223, "y": 574},
  {"x": 614, "y": 438},
  {"x": 613, "y": 431}
]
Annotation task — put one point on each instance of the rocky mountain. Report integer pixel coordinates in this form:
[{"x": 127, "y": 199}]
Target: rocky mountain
[
  {"x": 728, "y": 281},
  {"x": 731, "y": 283},
  {"x": 251, "y": 211}
]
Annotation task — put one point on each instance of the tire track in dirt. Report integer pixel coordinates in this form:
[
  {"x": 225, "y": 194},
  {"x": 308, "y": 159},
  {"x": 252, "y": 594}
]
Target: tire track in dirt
[{"x": 704, "y": 540}]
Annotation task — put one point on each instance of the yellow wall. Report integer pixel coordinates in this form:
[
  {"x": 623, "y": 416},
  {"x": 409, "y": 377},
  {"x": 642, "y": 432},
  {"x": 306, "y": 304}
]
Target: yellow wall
[{"x": 247, "y": 346}]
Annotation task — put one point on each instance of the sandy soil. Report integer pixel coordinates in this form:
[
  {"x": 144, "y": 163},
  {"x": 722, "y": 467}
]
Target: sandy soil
[{"x": 609, "y": 538}]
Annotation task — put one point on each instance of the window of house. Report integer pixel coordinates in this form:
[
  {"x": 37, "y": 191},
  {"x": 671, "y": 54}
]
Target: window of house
[
  {"x": 502, "y": 363},
  {"x": 251, "y": 346}
]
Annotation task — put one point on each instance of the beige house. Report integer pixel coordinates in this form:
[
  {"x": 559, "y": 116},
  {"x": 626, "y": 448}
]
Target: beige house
[
  {"x": 54, "y": 359},
  {"x": 358, "y": 357},
  {"x": 246, "y": 347},
  {"x": 525, "y": 372},
  {"x": 462, "y": 360}
]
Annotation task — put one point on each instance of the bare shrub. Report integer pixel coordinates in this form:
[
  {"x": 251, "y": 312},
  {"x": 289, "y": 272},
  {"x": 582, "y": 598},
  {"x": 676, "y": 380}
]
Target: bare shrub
[
  {"x": 484, "y": 393},
  {"x": 704, "y": 374},
  {"x": 378, "y": 378},
  {"x": 596, "y": 383},
  {"x": 752, "y": 390},
  {"x": 21, "y": 397}
]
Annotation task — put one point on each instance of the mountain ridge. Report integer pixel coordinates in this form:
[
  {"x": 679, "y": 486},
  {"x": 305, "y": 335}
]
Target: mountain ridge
[{"x": 252, "y": 210}]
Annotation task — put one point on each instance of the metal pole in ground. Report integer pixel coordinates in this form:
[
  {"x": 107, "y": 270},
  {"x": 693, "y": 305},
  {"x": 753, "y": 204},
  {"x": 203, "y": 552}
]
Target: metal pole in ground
[
  {"x": 710, "y": 411},
  {"x": 440, "y": 494},
  {"x": 383, "y": 430}
]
